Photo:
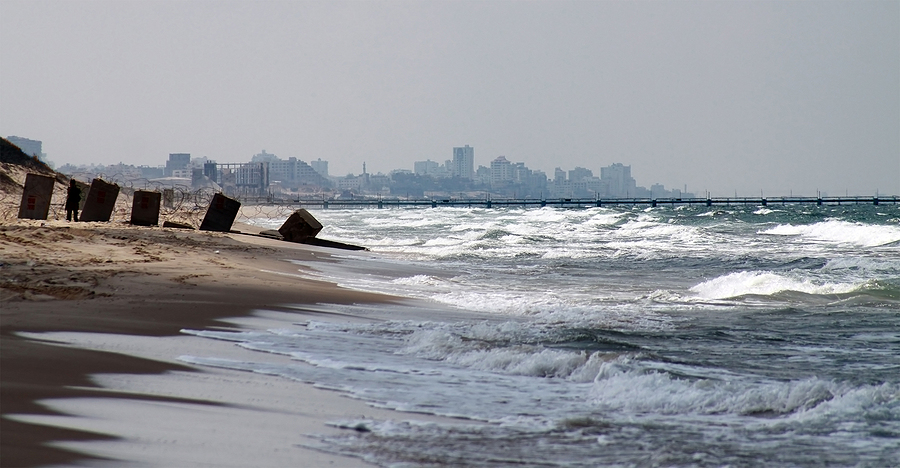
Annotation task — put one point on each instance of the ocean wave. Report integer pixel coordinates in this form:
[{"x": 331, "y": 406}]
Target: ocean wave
[
  {"x": 419, "y": 280},
  {"x": 524, "y": 360},
  {"x": 764, "y": 283},
  {"x": 625, "y": 385},
  {"x": 513, "y": 348},
  {"x": 866, "y": 265},
  {"x": 713, "y": 213},
  {"x": 837, "y": 231},
  {"x": 764, "y": 211}
]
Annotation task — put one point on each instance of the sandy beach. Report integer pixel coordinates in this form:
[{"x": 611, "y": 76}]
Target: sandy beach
[{"x": 91, "y": 314}]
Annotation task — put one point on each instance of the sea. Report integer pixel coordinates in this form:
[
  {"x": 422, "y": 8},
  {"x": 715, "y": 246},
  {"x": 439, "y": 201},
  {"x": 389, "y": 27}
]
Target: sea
[{"x": 612, "y": 336}]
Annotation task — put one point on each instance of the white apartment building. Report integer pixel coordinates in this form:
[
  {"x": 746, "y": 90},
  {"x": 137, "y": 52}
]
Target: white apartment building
[
  {"x": 427, "y": 167},
  {"x": 320, "y": 167},
  {"x": 501, "y": 171},
  {"x": 463, "y": 162}
]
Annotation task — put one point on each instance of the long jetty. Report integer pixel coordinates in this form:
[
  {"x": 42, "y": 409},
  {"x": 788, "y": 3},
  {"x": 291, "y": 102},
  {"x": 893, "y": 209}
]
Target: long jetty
[{"x": 563, "y": 202}]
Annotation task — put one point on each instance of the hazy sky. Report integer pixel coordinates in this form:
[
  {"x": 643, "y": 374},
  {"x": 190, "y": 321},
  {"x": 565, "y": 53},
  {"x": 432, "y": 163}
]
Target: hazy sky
[{"x": 721, "y": 96}]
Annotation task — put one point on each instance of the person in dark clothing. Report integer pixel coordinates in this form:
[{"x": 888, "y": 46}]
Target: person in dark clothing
[{"x": 73, "y": 198}]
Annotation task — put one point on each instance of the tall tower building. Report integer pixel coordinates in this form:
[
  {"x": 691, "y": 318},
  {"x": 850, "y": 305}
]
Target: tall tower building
[
  {"x": 501, "y": 171},
  {"x": 177, "y": 161},
  {"x": 463, "y": 162},
  {"x": 619, "y": 181},
  {"x": 320, "y": 166}
]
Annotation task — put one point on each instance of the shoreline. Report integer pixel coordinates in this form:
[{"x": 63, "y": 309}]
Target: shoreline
[{"x": 146, "y": 283}]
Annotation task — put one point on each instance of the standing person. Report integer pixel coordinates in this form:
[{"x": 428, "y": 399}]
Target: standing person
[{"x": 73, "y": 198}]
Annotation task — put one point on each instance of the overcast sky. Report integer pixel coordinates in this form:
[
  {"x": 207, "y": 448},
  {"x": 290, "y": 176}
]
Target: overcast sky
[{"x": 722, "y": 96}]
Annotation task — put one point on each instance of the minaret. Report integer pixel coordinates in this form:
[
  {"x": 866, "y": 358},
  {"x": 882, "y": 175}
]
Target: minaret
[{"x": 364, "y": 167}]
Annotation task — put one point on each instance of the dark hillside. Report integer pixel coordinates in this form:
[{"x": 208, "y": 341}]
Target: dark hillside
[
  {"x": 15, "y": 166},
  {"x": 14, "y": 162},
  {"x": 11, "y": 154}
]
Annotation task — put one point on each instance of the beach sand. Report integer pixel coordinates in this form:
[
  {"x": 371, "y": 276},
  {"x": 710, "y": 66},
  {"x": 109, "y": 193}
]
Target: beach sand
[{"x": 90, "y": 315}]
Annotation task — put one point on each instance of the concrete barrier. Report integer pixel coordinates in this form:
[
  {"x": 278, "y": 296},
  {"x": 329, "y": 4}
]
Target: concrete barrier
[
  {"x": 36, "y": 197},
  {"x": 221, "y": 214},
  {"x": 100, "y": 201},
  {"x": 145, "y": 208},
  {"x": 169, "y": 198},
  {"x": 301, "y": 225}
]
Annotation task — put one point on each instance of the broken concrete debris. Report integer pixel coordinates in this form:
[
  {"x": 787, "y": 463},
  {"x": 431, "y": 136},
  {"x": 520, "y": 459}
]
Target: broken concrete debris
[{"x": 300, "y": 226}]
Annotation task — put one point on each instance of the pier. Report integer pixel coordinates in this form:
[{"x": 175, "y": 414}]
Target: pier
[{"x": 564, "y": 202}]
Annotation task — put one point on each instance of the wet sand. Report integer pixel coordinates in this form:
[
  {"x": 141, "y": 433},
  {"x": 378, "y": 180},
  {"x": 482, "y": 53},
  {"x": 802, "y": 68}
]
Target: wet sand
[{"x": 110, "y": 391}]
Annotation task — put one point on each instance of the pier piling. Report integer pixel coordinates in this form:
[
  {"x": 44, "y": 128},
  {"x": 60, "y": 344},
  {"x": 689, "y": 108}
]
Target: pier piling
[{"x": 573, "y": 202}]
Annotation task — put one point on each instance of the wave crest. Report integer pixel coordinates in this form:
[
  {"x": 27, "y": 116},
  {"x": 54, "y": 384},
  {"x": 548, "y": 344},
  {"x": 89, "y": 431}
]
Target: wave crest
[
  {"x": 763, "y": 283},
  {"x": 865, "y": 235}
]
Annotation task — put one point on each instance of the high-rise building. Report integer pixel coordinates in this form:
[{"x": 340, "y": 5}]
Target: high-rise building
[
  {"x": 501, "y": 171},
  {"x": 293, "y": 172},
  {"x": 264, "y": 157},
  {"x": 177, "y": 161},
  {"x": 427, "y": 167},
  {"x": 559, "y": 176},
  {"x": 579, "y": 174},
  {"x": 463, "y": 165},
  {"x": 619, "y": 180},
  {"x": 320, "y": 166}
]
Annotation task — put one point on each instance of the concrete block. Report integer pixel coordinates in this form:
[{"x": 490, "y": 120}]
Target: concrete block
[
  {"x": 271, "y": 233},
  {"x": 145, "y": 208},
  {"x": 173, "y": 224},
  {"x": 36, "y": 197},
  {"x": 221, "y": 214},
  {"x": 301, "y": 225},
  {"x": 169, "y": 198},
  {"x": 100, "y": 201}
]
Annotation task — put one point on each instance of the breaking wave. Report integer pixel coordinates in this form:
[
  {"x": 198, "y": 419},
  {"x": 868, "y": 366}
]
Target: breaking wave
[
  {"x": 764, "y": 283},
  {"x": 865, "y": 235}
]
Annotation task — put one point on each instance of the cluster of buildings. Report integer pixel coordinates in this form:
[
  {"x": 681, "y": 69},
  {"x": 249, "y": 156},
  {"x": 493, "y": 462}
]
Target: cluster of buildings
[
  {"x": 514, "y": 179},
  {"x": 265, "y": 174}
]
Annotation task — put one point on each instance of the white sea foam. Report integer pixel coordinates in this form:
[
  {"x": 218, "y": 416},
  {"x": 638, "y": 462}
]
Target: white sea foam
[
  {"x": 849, "y": 403},
  {"x": 500, "y": 302},
  {"x": 604, "y": 219},
  {"x": 765, "y": 284},
  {"x": 624, "y": 385},
  {"x": 485, "y": 347},
  {"x": 521, "y": 361},
  {"x": 419, "y": 280},
  {"x": 613, "y": 315},
  {"x": 838, "y": 231}
]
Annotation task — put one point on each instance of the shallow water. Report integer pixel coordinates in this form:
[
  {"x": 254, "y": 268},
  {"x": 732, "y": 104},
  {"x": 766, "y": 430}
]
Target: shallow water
[{"x": 613, "y": 336}]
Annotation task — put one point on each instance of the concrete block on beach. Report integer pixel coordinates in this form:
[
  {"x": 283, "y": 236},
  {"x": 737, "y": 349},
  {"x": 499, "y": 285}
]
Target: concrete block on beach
[
  {"x": 145, "y": 208},
  {"x": 271, "y": 233},
  {"x": 169, "y": 198},
  {"x": 36, "y": 197},
  {"x": 100, "y": 201},
  {"x": 300, "y": 226},
  {"x": 176, "y": 225},
  {"x": 221, "y": 214}
]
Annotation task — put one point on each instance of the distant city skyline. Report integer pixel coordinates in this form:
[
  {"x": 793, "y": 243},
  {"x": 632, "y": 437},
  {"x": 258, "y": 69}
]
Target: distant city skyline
[
  {"x": 464, "y": 157},
  {"x": 767, "y": 96},
  {"x": 266, "y": 174}
]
